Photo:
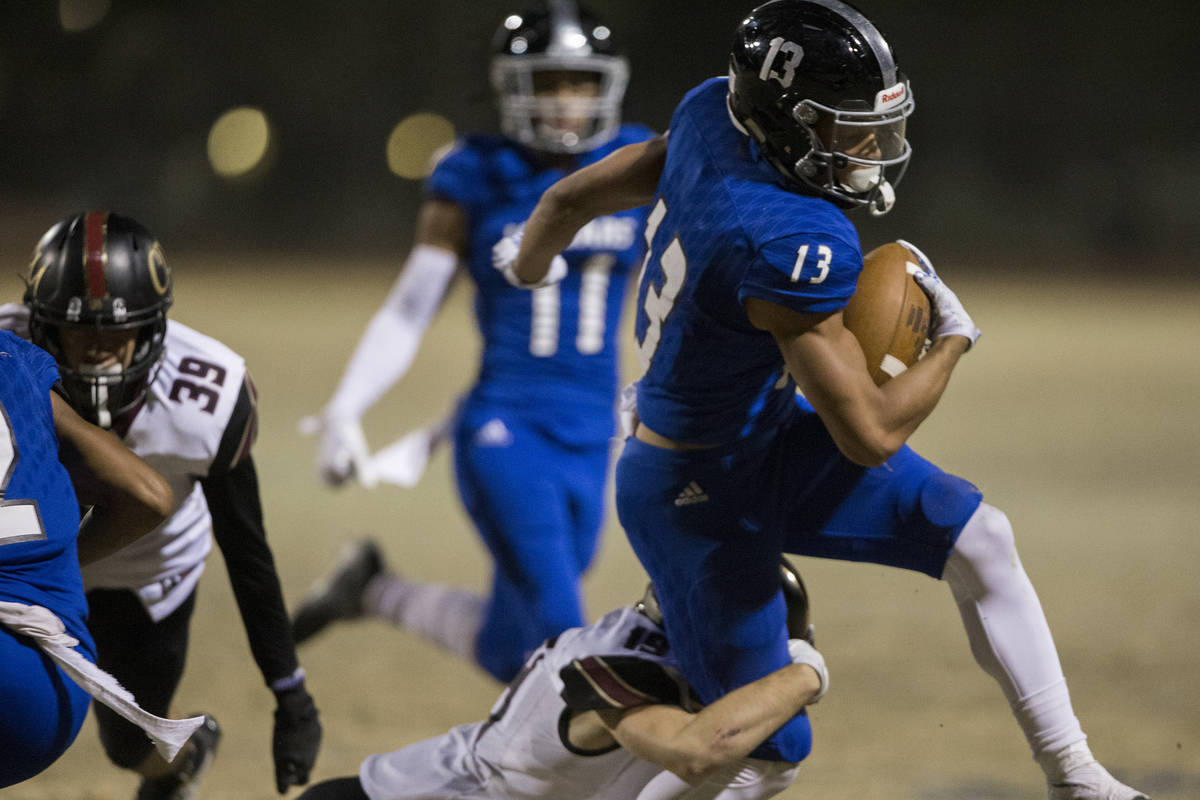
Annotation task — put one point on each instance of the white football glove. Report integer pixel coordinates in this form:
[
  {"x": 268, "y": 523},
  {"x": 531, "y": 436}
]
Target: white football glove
[
  {"x": 342, "y": 451},
  {"x": 504, "y": 256},
  {"x": 802, "y": 652},
  {"x": 950, "y": 318},
  {"x": 15, "y": 317}
]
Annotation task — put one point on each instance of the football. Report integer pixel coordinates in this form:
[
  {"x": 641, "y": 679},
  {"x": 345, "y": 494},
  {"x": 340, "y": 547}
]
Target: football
[{"x": 889, "y": 314}]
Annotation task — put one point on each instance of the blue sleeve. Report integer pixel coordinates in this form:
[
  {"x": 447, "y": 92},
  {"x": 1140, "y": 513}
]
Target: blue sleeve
[
  {"x": 459, "y": 177},
  {"x": 806, "y": 272},
  {"x": 39, "y": 363},
  {"x": 632, "y": 132}
]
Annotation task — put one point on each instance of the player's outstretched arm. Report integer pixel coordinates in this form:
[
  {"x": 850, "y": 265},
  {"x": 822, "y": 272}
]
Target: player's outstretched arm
[
  {"x": 231, "y": 491},
  {"x": 624, "y": 179},
  {"x": 128, "y": 498},
  {"x": 389, "y": 344},
  {"x": 694, "y": 746},
  {"x": 869, "y": 423}
]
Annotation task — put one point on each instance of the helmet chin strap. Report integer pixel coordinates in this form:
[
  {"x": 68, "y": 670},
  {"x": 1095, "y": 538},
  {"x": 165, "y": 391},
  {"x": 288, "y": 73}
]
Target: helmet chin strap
[
  {"x": 884, "y": 200},
  {"x": 100, "y": 399},
  {"x": 100, "y": 391}
]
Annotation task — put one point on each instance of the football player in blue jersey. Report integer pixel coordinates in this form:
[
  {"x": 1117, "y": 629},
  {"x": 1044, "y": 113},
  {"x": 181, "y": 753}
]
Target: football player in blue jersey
[
  {"x": 751, "y": 263},
  {"x": 42, "y": 542},
  {"x": 543, "y": 404}
]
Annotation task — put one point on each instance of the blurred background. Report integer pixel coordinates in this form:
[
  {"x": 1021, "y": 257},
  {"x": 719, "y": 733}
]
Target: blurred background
[
  {"x": 1052, "y": 135},
  {"x": 277, "y": 150}
]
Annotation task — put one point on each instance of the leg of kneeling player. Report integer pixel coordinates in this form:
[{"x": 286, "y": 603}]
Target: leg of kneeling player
[{"x": 147, "y": 658}]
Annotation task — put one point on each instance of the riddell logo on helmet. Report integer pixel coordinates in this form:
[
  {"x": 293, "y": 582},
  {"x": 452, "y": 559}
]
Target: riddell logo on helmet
[{"x": 890, "y": 97}]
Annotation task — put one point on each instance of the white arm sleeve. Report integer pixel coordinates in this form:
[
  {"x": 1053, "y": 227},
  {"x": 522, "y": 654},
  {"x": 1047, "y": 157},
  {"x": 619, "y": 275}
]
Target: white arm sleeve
[
  {"x": 744, "y": 779},
  {"x": 389, "y": 344}
]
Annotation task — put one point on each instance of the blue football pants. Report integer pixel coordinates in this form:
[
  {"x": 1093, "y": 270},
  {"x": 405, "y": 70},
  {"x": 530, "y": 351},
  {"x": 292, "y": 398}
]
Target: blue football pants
[
  {"x": 538, "y": 505},
  {"x": 710, "y": 526},
  {"x": 41, "y": 709}
]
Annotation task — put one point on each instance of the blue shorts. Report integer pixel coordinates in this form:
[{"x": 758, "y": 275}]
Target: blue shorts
[
  {"x": 709, "y": 527},
  {"x": 41, "y": 709},
  {"x": 538, "y": 504}
]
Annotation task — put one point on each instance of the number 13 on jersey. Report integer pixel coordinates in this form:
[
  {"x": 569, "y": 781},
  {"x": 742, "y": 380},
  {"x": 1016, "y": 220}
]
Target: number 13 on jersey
[{"x": 660, "y": 302}]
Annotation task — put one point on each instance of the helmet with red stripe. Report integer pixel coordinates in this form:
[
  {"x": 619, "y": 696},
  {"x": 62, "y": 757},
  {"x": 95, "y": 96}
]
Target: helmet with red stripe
[{"x": 98, "y": 278}]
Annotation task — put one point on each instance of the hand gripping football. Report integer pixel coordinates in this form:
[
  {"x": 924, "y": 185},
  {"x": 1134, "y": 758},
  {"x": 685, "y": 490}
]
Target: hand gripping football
[{"x": 889, "y": 314}]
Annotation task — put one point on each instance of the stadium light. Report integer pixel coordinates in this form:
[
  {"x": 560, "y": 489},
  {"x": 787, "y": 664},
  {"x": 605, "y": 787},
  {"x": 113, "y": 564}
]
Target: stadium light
[
  {"x": 414, "y": 143},
  {"x": 79, "y": 15},
  {"x": 238, "y": 141}
]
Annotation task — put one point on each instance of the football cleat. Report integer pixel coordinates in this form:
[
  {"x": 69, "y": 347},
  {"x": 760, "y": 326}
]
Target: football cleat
[
  {"x": 339, "y": 594},
  {"x": 192, "y": 763},
  {"x": 1093, "y": 782}
]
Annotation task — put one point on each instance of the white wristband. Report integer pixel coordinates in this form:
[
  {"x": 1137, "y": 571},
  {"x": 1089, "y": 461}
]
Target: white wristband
[{"x": 802, "y": 652}]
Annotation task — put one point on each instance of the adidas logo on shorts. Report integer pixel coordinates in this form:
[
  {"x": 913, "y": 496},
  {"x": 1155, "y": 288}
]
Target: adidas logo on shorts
[
  {"x": 494, "y": 434},
  {"x": 691, "y": 494}
]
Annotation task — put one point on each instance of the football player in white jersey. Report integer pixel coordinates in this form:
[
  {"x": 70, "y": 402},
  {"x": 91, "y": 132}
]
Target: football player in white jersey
[
  {"x": 602, "y": 711},
  {"x": 98, "y": 292}
]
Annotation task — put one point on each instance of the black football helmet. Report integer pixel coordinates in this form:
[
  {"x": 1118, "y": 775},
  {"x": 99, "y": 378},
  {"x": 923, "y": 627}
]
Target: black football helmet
[
  {"x": 100, "y": 272},
  {"x": 557, "y": 37},
  {"x": 794, "y": 595},
  {"x": 816, "y": 85}
]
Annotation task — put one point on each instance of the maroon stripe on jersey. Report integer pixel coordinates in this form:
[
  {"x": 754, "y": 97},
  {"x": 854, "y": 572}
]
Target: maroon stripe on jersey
[
  {"x": 95, "y": 235},
  {"x": 606, "y": 681}
]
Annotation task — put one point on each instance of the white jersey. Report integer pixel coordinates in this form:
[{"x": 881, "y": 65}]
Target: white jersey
[
  {"x": 179, "y": 431},
  {"x": 520, "y": 751}
]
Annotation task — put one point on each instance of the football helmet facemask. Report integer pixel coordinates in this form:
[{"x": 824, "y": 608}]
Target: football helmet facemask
[
  {"x": 816, "y": 85},
  {"x": 100, "y": 275},
  {"x": 551, "y": 45}
]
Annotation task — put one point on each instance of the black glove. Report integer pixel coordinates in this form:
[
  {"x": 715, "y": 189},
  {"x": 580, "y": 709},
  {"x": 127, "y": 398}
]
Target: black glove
[{"x": 296, "y": 739}]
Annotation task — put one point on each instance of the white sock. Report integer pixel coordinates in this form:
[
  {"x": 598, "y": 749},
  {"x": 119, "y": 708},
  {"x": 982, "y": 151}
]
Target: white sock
[
  {"x": 448, "y": 617},
  {"x": 1010, "y": 637},
  {"x": 1060, "y": 764}
]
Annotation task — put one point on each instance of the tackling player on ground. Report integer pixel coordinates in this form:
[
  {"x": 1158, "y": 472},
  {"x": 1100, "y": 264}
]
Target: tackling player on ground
[
  {"x": 603, "y": 712},
  {"x": 751, "y": 264},
  {"x": 543, "y": 404},
  {"x": 97, "y": 299}
]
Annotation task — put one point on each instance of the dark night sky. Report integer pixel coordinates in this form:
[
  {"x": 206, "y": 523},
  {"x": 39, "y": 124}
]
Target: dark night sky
[{"x": 1062, "y": 128}]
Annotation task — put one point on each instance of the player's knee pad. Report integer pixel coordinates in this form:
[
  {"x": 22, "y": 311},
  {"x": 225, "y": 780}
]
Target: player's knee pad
[
  {"x": 947, "y": 501},
  {"x": 934, "y": 508},
  {"x": 125, "y": 744}
]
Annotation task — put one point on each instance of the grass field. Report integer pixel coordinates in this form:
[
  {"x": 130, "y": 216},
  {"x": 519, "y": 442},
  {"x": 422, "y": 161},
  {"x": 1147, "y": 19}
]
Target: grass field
[{"x": 1077, "y": 415}]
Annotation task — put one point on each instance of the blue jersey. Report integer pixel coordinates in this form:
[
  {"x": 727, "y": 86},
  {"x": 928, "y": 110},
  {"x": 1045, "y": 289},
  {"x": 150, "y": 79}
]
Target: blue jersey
[
  {"x": 552, "y": 349},
  {"x": 39, "y": 515},
  {"x": 724, "y": 228}
]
